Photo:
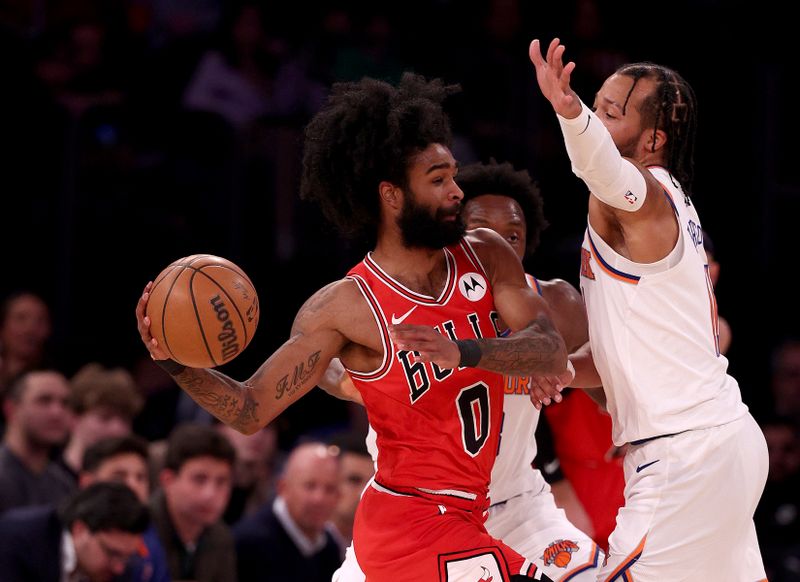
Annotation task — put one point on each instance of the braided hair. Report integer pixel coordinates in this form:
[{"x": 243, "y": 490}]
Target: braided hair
[
  {"x": 366, "y": 133},
  {"x": 671, "y": 107},
  {"x": 502, "y": 179}
]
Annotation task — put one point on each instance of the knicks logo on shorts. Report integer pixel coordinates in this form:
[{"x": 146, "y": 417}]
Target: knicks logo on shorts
[
  {"x": 559, "y": 553},
  {"x": 586, "y": 265},
  {"x": 472, "y": 286}
]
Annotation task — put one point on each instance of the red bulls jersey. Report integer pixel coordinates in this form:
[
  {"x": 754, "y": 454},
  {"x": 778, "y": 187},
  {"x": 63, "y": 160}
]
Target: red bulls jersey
[{"x": 437, "y": 429}]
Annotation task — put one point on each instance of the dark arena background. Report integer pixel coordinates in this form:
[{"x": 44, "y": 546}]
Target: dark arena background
[{"x": 124, "y": 146}]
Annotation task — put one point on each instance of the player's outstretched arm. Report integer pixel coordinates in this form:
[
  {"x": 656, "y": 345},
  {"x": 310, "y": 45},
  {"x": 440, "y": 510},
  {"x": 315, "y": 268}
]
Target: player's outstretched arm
[
  {"x": 626, "y": 198},
  {"x": 289, "y": 373}
]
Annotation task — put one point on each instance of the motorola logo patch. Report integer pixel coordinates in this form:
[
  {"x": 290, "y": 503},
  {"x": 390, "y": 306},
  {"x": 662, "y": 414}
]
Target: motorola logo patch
[{"x": 472, "y": 286}]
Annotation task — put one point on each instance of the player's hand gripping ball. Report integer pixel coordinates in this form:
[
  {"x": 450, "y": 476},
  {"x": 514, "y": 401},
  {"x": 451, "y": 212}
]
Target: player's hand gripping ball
[{"x": 203, "y": 311}]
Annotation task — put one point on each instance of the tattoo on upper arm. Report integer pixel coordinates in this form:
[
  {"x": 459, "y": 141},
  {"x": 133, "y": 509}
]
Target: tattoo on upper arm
[
  {"x": 318, "y": 303},
  {"x": 302, "y": 372}
]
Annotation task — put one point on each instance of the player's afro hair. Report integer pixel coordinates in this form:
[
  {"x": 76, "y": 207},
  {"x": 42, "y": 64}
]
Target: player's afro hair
[{"x": 364, "y": 135}]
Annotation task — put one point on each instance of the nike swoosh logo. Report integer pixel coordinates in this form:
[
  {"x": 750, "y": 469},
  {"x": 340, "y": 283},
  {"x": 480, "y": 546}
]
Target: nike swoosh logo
[
  {"x": 643, "y": 467},
  {"x": 397, "y": 320}
]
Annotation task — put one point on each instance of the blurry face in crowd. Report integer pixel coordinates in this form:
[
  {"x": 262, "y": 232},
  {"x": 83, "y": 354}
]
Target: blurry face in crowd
[
  {"x": 199, "y": 491},
  {"x": 102, "y": 555},
  {"x": 41, "y": 412},
  {"x": 784, "y": 451},
  {"x": 127, "y": 468},
  {"x": 786, "y": 380},
  {"x": 254, "y": 454},
  {"x": 355, "y": 471},
  {"x": 101, "y": 423},
  {"x": 713, "y": 268},
  {"x": 310, "y": 487},
  {"x": 25, "y": 328},
  {"x": 500, "y": 214}
]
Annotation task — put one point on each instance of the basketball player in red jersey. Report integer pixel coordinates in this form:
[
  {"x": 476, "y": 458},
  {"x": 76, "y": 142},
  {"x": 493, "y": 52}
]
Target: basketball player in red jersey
[
  {"x": 523, "y": 511},
  {"x": 377, "y": 161}
]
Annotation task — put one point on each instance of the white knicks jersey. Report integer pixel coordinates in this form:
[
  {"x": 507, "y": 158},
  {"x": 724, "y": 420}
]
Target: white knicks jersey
[
  {"x": 654, "y": 333},
  {"x": 512, "y": 473}
]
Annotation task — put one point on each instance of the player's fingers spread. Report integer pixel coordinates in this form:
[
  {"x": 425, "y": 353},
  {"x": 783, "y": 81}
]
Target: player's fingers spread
[
  {"x": 535, "y": 53},
  {"x": 558, "y": 54},
  {"x": 566, "y": 74},
  {"x": 550, "y": 49}
]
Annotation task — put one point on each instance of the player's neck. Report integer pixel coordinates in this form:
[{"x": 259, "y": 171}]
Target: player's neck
[
  {"x": 648, "y": 159},
  {"x": 419, "y": 269}
]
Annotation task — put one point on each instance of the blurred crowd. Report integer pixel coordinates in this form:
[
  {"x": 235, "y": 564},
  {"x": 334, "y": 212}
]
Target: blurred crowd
[{"x": 138, "y": 131}]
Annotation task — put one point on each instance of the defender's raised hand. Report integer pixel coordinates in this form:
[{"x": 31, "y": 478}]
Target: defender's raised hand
[{"x": 554, "y": 76}]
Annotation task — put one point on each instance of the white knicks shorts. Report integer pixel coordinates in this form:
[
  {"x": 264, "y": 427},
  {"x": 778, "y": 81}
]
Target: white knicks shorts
[
  {"x": 535, "y": 527},
  {"x": 532, "y": 525},
  {"x": 689, "y": 503}
]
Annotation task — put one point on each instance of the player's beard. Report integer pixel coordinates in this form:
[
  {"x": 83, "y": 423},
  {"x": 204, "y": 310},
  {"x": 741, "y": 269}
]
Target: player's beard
[{"x": 421, "y": 229}]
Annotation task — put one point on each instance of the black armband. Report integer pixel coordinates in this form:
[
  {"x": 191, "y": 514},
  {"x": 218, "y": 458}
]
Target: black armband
[
  {"x": 171, "y": 367},
  {"x": 470, "y": 353}
]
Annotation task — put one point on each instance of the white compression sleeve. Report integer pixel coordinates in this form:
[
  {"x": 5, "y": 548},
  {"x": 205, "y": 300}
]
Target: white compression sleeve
[{"x": 597, "y": 161}]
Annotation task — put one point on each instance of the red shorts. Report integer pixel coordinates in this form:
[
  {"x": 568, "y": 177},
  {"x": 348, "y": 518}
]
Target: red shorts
[{"x": 409, "y": 538}]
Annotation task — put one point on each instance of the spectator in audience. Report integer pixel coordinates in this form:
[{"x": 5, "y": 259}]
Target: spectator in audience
[
  {"x": 251, "y": 74},
  {"x": 253, "y": 482},
  {"x": 196, "y": 485},
  {"x": 777, "y": 516},
  {"x": 24, "y": 330},
  {"x": 82, "y": 70},
  {"x": 355, "y": 470},
  {"x": 90, "y": 539},
  {"x": 290, "y": 539},
  {"x": 104, "y": 403},
  {"x": 35, "y": 406},
  {"x": 123, "y": 459},
  {"x": 786, "y": 379},
  {"x": 725, "y": 336}
]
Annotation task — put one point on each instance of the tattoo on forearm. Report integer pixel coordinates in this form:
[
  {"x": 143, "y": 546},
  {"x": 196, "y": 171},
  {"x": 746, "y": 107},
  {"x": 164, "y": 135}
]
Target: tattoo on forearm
[
  {"x": 302, "y": 371},
  {"x": 529, "y": 351},
  {"x": 230, "y": 402}
]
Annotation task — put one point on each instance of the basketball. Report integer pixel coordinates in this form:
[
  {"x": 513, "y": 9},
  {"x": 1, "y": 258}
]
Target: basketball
[{"x": 203, "y": 311}]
